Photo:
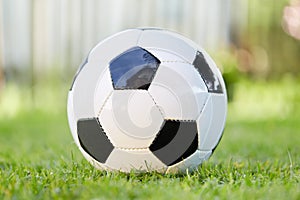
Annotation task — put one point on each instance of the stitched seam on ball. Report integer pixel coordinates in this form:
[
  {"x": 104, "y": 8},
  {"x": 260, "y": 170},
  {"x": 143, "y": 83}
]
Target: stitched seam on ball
[
  {"x": 161, "y": 112},
  {"x": 197, "y": 71},
  {"x": 139, "y": 38},
  {"x": 181, "y": 120},
  {"x": 158, "y": 49},
  {"x": 204, "y": 105},
  {"x": 129, "y": 88},
  {"x": 133, "y": 148},
  {"x": 98, "y": 164},
  {"x": 110, "y": 140},
  {"x": 200, "y": 113},
  {"x": 149, "y": 168},
  {"x": 175, "y": 61},
  {"x": 104, "y": 103}
]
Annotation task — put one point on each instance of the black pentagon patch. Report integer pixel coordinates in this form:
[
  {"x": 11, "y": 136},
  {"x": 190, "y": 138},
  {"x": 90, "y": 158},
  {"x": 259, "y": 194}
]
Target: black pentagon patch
[
  {"x": 93, "y": 139},
  {"x": 176, "y": 141},
  {"x": 211, "y": 80},
  {"x": 133, "y": 69}
]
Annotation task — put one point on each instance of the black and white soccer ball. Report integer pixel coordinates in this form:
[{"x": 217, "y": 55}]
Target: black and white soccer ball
[{"x": 147, "y": 100}]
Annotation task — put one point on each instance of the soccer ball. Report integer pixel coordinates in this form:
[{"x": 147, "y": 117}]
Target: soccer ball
[{"x": 147, "y": 100}]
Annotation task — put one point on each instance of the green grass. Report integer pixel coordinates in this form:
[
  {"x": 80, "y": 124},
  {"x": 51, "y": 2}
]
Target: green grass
[{"x": 258, "y": 158}]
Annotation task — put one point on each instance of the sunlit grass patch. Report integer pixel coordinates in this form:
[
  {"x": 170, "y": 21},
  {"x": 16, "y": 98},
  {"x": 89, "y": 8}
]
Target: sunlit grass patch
[
  {"x": 257, "y": 158},
  {"x": 264, "y": 100}
]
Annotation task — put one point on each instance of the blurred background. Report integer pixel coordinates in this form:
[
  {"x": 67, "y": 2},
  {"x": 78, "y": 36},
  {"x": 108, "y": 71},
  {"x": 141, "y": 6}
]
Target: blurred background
[{"x": 256, "y": 44}]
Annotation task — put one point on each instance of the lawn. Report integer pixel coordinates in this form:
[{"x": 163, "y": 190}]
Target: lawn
[{"x": 258, "y": 157}]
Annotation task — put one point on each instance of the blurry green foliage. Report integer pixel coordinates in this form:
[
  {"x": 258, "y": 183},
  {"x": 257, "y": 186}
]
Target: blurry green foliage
[
  {"x": 228, "y": 64},
  {"x": 261, "y": 50},
  {"x": 268, "y": 52}
]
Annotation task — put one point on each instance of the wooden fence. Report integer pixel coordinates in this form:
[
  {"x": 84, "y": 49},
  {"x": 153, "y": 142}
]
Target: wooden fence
[{"x": 38, "y": 35}]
